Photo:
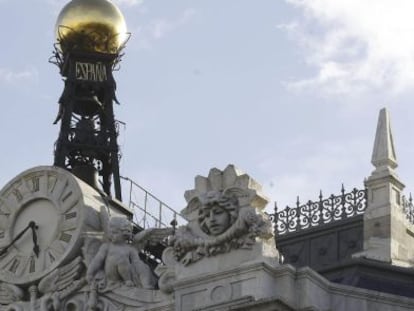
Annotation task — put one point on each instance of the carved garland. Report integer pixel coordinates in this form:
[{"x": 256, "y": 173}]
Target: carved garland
[{"x": 189, "y": 248}]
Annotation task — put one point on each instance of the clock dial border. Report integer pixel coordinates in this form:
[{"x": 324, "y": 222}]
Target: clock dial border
[{"x": 36, "y": 187}]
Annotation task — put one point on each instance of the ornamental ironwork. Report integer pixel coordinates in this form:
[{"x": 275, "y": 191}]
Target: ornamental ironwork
[
  {"x": 323, "y": 211},
  {"x": 408, "y": 208}
]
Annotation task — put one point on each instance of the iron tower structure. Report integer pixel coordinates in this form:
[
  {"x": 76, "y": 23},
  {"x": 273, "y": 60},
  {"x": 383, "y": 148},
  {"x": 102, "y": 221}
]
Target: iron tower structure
[{"x": 87, "y": 52}]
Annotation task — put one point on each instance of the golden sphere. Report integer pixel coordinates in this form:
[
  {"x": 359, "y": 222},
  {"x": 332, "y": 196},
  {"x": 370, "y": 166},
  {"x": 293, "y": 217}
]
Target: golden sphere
[{"x": 91, "y": 26}]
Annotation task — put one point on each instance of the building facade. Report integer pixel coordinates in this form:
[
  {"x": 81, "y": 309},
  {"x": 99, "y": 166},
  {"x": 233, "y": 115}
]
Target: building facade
[{"x": 67, "y": 243}]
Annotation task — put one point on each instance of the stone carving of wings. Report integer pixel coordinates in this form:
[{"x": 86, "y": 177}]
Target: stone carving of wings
[
  {"x": 63, "y": 279},
  {"x": 9, "y": 293}
]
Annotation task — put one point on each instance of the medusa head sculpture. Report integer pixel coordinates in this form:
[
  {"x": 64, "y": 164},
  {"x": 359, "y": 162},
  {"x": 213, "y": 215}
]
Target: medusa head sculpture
[{"x": 224, "y": 212}]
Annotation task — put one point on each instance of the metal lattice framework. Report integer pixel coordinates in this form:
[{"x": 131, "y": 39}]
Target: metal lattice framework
[
  {"x": 87, "y": 140},
  {"x": 323, "y": 211}
]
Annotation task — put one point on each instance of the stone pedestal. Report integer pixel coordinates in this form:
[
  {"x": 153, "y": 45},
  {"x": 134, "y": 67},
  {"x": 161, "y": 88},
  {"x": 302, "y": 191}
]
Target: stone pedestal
[
  {"x": 230, "y": 278},
  {"x": 234, "y": 286}
]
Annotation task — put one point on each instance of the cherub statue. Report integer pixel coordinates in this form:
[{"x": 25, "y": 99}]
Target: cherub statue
[{"x": 117, "y": 261}]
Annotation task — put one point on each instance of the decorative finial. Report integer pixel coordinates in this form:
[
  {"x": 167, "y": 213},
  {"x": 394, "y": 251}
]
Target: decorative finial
[
  {"x": 384, "y": 151},
  {"x": 91, "y": 26}
]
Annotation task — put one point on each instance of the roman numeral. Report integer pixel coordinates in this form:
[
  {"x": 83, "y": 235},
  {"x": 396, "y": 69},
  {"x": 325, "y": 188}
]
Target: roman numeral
[
  {"x": 35, "y": 183},
  {"x": 32, "y": 266},
  {"x": 38, "y": 182},
  {"x": 65, "y": 237},
  {"x": 18, "y": 195},
  {"x": 70, "y": 215},
  {"x": 69, "y": 222},
  {"x": 15, "y": 264},
  {"x": 51, "y": 183},
  {"x": 66, "y": 196},
  {"x": 61, "y": 190},
  {"x": 6, "y": 259},
  {"x": 19, "y": 264},
  {"x": 4, "y": 210},
  {"x": 14, "y": 196},
  {"x": 51, "y": 257},
  {"x": 58, "y": 187},
  {"x": 53, "y": 252}
]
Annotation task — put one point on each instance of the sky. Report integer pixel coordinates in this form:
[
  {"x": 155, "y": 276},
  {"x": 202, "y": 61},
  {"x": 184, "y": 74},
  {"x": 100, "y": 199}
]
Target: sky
[{"x": 288, "y": 91}]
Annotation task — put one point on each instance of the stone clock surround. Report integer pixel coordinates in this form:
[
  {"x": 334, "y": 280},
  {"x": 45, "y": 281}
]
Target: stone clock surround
[{"x": 64, "y": 208}]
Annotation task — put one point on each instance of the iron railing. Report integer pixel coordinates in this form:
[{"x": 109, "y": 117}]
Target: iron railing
[
  {"x": 149, "y": 211},
  {"x": 323, "y": 211},
  {"x": 408, "y": 207}
]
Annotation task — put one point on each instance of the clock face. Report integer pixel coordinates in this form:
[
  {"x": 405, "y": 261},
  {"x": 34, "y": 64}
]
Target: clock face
[{"x": 50, "y": 197}]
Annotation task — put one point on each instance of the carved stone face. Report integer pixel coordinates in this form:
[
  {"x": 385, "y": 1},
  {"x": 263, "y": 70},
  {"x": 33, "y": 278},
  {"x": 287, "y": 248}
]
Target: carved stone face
[
  {"x": 217, "y": 213},
  {"x": 217, "y": 220},
  {"x": 121, "y": 229}
]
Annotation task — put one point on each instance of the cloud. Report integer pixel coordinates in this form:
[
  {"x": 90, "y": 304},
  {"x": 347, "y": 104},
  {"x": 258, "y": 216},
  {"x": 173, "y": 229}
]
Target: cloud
[
  {"x": 10, "y": 77},
  {"x": 161, "y": 27},
  {"x": 158, "y": 28},
  {"x": 355, "y": 45}
]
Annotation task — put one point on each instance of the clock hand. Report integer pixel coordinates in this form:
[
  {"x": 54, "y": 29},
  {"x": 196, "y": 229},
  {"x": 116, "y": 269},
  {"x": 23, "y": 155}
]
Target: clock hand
[
  {"x": 4, "y": 250},
  {"x": 36, "y": 248}
]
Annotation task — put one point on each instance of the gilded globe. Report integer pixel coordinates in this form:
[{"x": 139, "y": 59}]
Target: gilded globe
[{"x": 91, "y": 26}]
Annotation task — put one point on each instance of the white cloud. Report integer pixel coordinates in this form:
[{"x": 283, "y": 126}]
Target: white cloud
[
  {"x": 160, "y": 27},
  {"x": 9, "y": 76},
  {"x": 355, "y": 45}
]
